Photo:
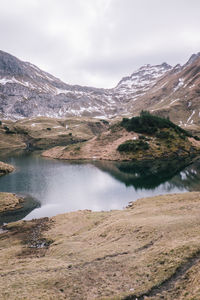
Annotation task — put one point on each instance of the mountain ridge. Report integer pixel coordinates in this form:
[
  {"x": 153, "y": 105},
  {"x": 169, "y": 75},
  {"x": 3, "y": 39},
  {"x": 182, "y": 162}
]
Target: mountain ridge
[{"x": 27, "y": 91}]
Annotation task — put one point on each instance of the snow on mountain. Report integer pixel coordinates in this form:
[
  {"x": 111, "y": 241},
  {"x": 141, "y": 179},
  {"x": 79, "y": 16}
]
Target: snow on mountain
[
  {"x": 132, "y": 87},
  {"x": 143, "y": 78},
  {"x": 176, "y": 94},
  {"x": 27, "y": 91}
]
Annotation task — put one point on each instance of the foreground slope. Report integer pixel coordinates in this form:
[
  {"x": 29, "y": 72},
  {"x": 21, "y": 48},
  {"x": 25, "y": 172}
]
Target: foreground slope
[{"x": 150, "y": 250}]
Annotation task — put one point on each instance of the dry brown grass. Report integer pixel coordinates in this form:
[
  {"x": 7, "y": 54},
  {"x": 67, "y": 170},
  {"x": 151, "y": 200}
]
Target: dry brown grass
[
  {"x": 5, "y": 168},
  {"x": 10, "y": 202},
  {"x": 43, "y": 132},
  {"x": 152, "y": 248},
  {"x": 104, "y": 147}
]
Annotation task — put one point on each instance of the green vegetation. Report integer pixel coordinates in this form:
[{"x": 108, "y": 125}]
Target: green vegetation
[
  {"x": 133, "y": 145},
  {"x": 150, "y": 124},
  {"x": 164, "y": 135},
  {"x": 104, "y": 122},
  {"x": 8, "y": 131},
  {"x": 159, "y": 134},
  {"x": 142, "y": 137},
  {"x": 196, "y": 138}
]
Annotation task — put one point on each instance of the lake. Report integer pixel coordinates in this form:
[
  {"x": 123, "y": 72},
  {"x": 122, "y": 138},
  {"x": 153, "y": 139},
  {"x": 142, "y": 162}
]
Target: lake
[{"x": 64, "y": 186}]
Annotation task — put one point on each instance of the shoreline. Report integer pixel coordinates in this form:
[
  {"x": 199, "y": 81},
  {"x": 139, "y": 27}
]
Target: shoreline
[{"x": 15, "y": 207}]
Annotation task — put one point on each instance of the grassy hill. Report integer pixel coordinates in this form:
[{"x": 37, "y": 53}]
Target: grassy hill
[{"x": 140, "y": 138}]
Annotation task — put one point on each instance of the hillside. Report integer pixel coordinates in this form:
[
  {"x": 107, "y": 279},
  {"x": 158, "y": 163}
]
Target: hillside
[
  {"x": 140, "y": 138},
  {"x": 176, "y": 95},
  {"x": 150, "y": 250},
  {"x": 42, "y": 133}
]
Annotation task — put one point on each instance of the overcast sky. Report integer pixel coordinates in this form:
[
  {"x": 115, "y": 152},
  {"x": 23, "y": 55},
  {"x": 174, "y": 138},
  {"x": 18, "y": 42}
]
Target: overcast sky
[{"x": 96, "y": 42}]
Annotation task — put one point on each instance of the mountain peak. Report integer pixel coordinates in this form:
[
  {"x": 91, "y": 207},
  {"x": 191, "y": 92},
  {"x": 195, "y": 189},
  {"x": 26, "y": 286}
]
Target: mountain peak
[
  {"x": 10, "y": 65},
  {"x": 192, "y": 59},
  {"x": 143, "y": 78},
  {"x": 166, "y": 65}
]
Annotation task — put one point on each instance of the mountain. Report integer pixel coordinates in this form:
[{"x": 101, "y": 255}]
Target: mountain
[
  {"x": 141, "y": 80},
  {"x": 176, "y": 95},
  {"x": 27, "y": 91}
]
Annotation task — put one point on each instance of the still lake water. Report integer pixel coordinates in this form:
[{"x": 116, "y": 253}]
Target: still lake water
[{"x": 62, "y": 186}]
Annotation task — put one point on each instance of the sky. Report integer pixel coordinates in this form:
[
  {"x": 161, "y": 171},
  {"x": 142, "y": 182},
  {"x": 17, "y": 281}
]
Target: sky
[{"x": 97, "y": 42}]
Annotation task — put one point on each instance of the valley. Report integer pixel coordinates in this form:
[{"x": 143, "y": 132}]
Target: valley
[
  {"x": 99, "y": 188},
  {"x": 26, "y": 91}
]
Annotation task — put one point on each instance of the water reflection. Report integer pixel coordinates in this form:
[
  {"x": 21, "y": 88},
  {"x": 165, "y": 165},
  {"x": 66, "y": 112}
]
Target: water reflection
[
  {"x": 151, "y": 174},
  {"x": 62, "y": 186}
]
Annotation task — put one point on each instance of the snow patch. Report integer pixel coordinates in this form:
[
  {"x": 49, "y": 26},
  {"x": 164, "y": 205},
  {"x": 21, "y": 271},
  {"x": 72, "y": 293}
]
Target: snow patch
[
  {"x": 4, "y": 81},
  {"x": 192, "y": 86},
  {"x": 183, "y": 175},
  {"x": 173, "y": 101},
  {"x": 190, "y": 117},
  {"x": 179, "y": 85}
]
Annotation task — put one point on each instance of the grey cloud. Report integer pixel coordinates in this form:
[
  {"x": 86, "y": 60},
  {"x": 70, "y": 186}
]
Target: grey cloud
[{"x": 96, "y": 42}]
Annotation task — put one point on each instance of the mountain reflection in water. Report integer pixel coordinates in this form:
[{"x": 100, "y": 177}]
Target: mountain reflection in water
[
  {"x": 151, "y": 174},
  {"x": 62, "y": 186}
]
